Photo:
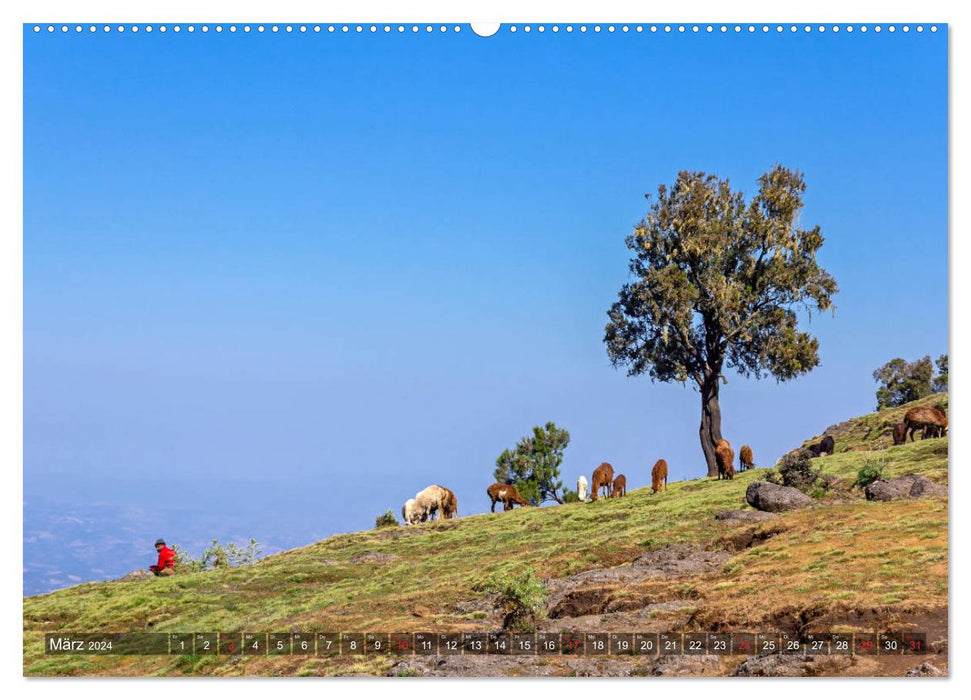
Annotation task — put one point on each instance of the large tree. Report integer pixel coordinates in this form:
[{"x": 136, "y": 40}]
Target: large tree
[
  {"x": 717, "y": 281},
  {"x": 902, "y": 382},
  {"x": 533, "y": 465}
]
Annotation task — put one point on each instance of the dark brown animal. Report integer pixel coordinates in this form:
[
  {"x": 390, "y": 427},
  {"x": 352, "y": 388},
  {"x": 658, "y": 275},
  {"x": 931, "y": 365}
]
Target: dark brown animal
[
  {"x": 899, "y": 433},
  {"x": 659, "y": 476},
  {"x": 620, "y": 487},
  {"x": 823, "y": 447},
  {"x": 603, "y": 478},
  {"x": 725, "y": 455},
  {"x": 923, "y": 417},
  {"x": 745, "y": 459},
  {"x": 450, "y": 504},
  {"x": 506, "y": 494}
]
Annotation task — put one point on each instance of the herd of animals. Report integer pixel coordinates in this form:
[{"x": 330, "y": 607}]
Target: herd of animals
[{"x": 438, "y": 502}]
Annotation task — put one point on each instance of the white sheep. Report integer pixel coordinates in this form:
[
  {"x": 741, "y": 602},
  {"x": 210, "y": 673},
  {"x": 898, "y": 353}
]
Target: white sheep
[
  {"x": 410, "y": 513},
  {"x": 582, "y": 488}
]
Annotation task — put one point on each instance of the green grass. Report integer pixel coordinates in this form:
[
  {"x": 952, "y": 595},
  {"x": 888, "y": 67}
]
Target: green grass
[{"x": 827, "y": 555}]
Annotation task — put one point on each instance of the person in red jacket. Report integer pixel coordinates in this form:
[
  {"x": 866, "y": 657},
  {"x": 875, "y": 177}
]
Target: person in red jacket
[{"x": 166, "y": 559}]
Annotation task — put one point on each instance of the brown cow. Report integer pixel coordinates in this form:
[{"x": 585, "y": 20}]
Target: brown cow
[
  {"x": 450, "y": 504},
  {"x": 507, "y": 494},
  {"x": 745, "y": 459},
  {"x": 659, "y": 476},
  {"x": 603, "y": 478},
  {"x": 921, "y": 417},
  {"x": 899, "y": 433},
  {"x": 724, "y": 455},
  {"x": 620, "y": 487}
]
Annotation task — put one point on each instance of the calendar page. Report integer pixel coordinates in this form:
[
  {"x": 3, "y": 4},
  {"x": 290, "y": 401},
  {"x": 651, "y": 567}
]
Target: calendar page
[{"x": 441, "y": 349}]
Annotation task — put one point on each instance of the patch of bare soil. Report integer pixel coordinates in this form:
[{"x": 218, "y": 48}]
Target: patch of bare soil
[
  {"x": 736, "y": 540},
  {"x": 612, "y": 589},
  {"x": 663, "y": 616},
  {"x": 373, "y": 558},
  {"x": 396, "y": 533}
]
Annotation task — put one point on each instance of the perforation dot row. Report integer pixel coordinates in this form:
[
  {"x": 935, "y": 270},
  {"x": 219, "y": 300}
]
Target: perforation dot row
[
  {"x": 247, "y": 28},
  {"x": 513, "y": 28}
]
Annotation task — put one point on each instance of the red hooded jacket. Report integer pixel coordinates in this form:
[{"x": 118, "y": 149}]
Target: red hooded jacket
[{"x": 166, "y": 558}]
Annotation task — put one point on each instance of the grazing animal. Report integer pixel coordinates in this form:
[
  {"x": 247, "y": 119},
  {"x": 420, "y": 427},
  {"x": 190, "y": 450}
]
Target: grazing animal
[
  {"x": 450, "y": 505},
  {"x": 899, "y": 433},
  {"x": 725, "y": 456},
  {"x": 582, "y": 488},
  {"x": 930, "y": 419},
  {"x": 430, "y": 501},
  {"x": 410, "y": 513},
  {"x": 659, "y": 476},
  {"x": 745, "y": 459},
  {"x": 823, "y": 447},
  {"x": 603, "y": 478},
  {"x": 620, "y": 487},
  {"x": 507, "y": 494}
]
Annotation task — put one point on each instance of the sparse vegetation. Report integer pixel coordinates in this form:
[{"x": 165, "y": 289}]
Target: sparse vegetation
[{"x": 218, "y": 555}]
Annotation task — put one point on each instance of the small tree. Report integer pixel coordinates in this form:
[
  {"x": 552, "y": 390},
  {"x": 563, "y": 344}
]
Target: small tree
[
  {"x": 533, "y": 466},
  {"x": 939, "y": 384},
  {"x": 902, "y": 382},
  {"x": 717, "y": 282}
]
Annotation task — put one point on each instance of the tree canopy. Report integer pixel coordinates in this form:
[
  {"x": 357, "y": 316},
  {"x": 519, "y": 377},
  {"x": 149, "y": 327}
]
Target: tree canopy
[
  {"x": 717, "y": 281},
  {"x": 902, "y": 382},
  {"x": 533, "y": 465}
]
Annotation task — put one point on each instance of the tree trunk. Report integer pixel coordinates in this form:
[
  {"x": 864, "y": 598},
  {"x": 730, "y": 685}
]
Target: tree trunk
[{"x": 711, "y": 422}]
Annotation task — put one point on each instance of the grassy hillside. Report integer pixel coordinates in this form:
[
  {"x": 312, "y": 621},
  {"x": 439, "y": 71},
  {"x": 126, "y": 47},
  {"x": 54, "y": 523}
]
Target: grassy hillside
[{"x": 844, "y": 562}]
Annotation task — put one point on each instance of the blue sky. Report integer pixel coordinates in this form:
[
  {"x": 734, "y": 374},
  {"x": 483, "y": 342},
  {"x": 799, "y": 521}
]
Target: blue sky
[{"x": 362, "y": 264}]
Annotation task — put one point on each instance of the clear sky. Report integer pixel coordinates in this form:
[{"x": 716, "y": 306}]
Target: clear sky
[{"x": 353, "y": 265}]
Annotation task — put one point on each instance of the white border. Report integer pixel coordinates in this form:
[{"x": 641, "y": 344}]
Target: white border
[{"x": 443, "y": 11}]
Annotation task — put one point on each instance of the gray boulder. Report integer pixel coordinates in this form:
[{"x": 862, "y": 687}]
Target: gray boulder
[
  {"x": 907, "y": 486},
  {"x": 138, "y": 575},
  {"x": 773, "y": 498}
]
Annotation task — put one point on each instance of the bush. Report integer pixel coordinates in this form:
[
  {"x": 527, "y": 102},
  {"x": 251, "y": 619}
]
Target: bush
[
  {"x": 386, "y": 520},
  {"x": 570, "y": 496},
  {"x": 796, "y": 470},
  {"x": 522, "y": 598},
  {"x": 217, "y": 555},
  {"x": 870, "y": 471}
]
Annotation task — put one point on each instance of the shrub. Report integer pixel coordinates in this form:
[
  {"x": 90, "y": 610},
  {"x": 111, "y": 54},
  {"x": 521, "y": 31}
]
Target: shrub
[
  {"x": 570, "y": 496},
  {"x": 796, "y": 470},
  {"x": 386, "y": 520},
  {"x": 522, "y": 598},
  {"x": 217, "y": 555},
  {"x": 870, "y": 471}
]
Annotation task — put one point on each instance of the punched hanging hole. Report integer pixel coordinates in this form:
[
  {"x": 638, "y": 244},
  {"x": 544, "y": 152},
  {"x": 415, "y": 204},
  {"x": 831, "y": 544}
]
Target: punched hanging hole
[{"x": 485, "y": 28}]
